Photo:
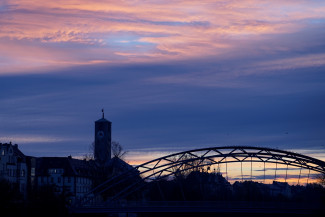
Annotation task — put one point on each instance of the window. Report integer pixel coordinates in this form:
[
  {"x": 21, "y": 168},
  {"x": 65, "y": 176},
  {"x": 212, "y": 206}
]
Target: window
[
  {"x": 22, "y": 174},
  {"x": 52, "y": 179},
  {"x": 69, "y": 179},
  {"x": 59, "y": 179},
  {"x": 32, "y": 172},
  {"x": 3, "y": 152}
]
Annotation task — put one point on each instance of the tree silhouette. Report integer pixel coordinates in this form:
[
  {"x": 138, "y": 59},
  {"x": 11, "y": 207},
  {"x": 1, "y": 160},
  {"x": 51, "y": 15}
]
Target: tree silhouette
[
  {"x": 118, "y": 150},
  {"x": 90, "y": 155},
  {"x": 321, "y": 179}
]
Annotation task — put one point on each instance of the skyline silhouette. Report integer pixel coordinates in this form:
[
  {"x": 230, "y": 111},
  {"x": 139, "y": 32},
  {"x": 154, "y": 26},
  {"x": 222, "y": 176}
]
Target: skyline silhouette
[{"x": 171, "y": 76}]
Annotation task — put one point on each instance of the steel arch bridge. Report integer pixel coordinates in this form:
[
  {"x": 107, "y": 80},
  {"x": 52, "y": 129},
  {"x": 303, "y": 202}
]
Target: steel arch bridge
[{"x": 173, "y": 164}]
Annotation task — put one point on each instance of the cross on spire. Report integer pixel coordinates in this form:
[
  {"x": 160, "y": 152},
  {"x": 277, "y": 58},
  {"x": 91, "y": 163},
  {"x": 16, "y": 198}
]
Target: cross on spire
[{"x": 103, "y": 112}]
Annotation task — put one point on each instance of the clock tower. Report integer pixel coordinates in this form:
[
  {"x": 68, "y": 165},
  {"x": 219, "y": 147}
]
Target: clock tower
[{"x": 103, "y": 139}]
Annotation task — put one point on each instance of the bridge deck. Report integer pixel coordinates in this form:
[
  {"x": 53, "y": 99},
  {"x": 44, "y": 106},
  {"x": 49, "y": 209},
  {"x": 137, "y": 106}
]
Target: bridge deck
[{"x": 205, "y": 207}]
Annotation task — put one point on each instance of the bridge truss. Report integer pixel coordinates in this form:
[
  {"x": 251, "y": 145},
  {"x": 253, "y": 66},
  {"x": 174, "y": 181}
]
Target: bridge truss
[{"x": 181, "y": 162}]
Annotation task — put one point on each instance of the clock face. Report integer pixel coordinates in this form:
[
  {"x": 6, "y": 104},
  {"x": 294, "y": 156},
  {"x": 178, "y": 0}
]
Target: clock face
[{"x": 100, "y": 134}]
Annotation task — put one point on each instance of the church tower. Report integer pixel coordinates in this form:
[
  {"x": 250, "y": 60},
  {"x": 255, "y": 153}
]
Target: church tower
[{"x": 103, "y": 139}]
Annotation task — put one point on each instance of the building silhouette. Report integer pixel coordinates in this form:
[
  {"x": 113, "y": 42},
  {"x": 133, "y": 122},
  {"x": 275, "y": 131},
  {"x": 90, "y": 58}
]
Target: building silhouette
[
  {"x": 13, "y": 167},
  {"x": 103, "y": 140},
  {"x": 70, "y": 177},
  {"x": 73, "y": 178}
]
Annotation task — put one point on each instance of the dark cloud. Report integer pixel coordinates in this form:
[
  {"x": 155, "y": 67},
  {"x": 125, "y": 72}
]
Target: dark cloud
[
  {"x": 273, "y": 169},
  {"x": 284, "y": 110},
  {"x": 272, "y": 97},
  {"x": 273, "y": 177}
]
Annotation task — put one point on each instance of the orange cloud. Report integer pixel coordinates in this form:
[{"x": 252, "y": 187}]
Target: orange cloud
[{"x": 179, "y": 29}]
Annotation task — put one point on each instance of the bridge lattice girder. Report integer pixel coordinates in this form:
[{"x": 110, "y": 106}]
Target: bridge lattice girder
[{"x": 174, "y": 163}]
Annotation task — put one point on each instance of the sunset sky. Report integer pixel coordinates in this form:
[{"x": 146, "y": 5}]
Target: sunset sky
[{"x": 171, "y": 75}]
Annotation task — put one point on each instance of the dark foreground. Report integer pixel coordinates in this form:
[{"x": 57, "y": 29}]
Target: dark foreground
[{"x": 199, "y": 208}]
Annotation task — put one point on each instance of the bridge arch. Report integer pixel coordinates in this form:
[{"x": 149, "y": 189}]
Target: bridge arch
[{"x": 197, "y": 158}]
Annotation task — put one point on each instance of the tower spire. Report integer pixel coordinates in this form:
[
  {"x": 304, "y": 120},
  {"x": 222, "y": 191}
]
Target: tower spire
[{"x": 103, "y": 112}]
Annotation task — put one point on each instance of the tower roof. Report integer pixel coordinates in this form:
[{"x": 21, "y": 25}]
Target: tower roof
[{"x": 103, "y": 118}]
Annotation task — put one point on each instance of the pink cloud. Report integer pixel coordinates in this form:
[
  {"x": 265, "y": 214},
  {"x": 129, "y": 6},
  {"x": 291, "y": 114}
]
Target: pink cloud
[{"x": 73, "y": 32}]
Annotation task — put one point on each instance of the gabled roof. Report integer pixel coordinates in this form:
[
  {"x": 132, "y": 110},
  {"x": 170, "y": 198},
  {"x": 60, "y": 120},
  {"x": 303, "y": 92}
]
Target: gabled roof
[
  {"x": 16, "y": 151},
  {"x": 72, "y": 167},
  {"x": 119, "y": 164}
]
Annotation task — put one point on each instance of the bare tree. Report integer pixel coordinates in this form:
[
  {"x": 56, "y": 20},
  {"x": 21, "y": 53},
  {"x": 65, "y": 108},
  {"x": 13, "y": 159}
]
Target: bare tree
[
  {"x": 185, "y": 168},
  {"x": 90, "y": 155},
  {"x": 321, "y": 179},
  {"x": 118, "y": 150}
]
